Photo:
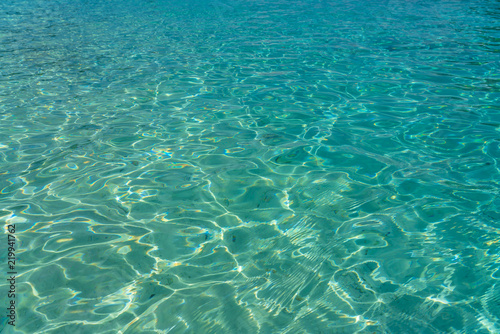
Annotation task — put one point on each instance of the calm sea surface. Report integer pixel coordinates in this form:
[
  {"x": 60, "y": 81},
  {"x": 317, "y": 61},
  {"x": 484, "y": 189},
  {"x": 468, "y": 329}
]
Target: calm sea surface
[{"x": 251, "y": 166}]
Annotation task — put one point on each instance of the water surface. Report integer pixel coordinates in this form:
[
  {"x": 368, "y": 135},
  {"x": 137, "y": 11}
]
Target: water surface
[{"x": 252, "y": 166}]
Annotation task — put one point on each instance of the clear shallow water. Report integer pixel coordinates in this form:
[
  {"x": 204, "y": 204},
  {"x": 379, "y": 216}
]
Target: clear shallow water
[{"x": 252, "y": 166}]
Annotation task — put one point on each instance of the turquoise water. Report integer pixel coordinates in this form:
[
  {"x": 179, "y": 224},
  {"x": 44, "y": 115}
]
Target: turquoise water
[{"x": 251, "y": 166}]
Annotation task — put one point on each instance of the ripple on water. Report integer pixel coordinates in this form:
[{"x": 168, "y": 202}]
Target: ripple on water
[{"x": 251, "y": 167}]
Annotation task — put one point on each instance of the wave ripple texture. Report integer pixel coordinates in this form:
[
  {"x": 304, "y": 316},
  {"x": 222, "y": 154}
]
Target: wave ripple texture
[{"x": 251, "y": 166}]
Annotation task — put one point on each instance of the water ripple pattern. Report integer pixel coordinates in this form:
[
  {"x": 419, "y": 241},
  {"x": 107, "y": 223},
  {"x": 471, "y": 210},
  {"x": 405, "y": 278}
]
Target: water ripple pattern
[{"x": 252, "y": 166}]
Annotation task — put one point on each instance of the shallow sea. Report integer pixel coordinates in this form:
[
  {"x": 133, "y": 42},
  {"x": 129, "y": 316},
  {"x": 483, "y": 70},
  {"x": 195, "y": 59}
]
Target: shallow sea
[{"x": 251, "y": 166}]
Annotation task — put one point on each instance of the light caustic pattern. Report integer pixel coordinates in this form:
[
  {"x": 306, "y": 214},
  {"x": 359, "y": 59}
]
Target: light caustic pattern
[{"x": 252, "y": 166}]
